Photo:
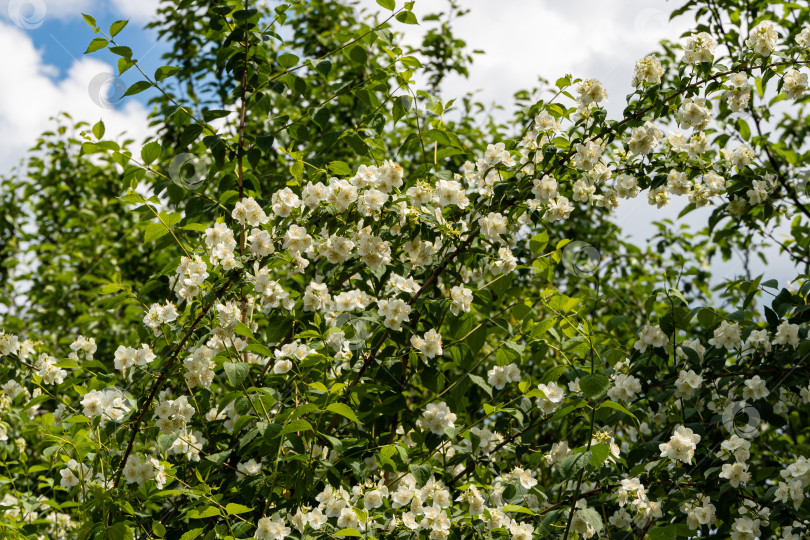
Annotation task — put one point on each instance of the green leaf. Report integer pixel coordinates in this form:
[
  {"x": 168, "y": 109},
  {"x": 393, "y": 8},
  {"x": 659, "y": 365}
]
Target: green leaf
[
  {"x": 211, "y": 511},
  {"x": 592, "y": 517},
  {"x": 158, "y": 529},
  {"x": 233, "y": 508},
  {"x": 77, "y": 419},
  {"x": 124, "y": 64},
  {"x": 742, "y": 127},
  {"x": 339, "y": 168},
  {"x": 407, "y": 17},
  {"x": 213, "y": 114},
  {"x": 67, "y": 363},
  {"x": 617, "y": 407},
  {"x": 120, "y": 531},
  {"x": 572, "y": 465},
  {"x": 516, "y": 508},
  {"x": 481, "y": 383},
  {"x": 599, "y": 453},
  {"x": 236, "y": 372},
  {"x": 662, "y": 532},
  {"x": 288, "y": 60},
  {"x": 96, "y": 45},
  {"x": 150, "y": 152},
  {"x": 165, "y": 440},
  {"x": 421, "y": 473},
  {"x": 295, "y": 426},
  {"x": 538, "y": 242},
  {"x": 322, "y": 66},
  {"x": 549, "y": 519},
  {"x": 387, "y": 4},
  {"x": 192, "y": 534},
  {"x": 320, "y": 116},
  {"x": 349, "y": 532},
  {"x": 137, "y": 88},
  {"x": 164, "y": 72},
  {"x": 99, "y": 130},
  {"x": 111, "y": 288},
  {"x": 594, "y": 385},
  {"x": 116, "y": 27},
  {"x": 358, "y": 54},
  {"x": 154, "y": 231},
  {"x": 243, "y": 330},
  {"x": 343, "y": 410},
  {"x": 90, "y": 21},
  {"x": 297, "y": 169}
]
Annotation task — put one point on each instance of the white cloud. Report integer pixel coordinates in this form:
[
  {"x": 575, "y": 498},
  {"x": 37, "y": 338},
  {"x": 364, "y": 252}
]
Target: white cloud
[
  {"x": 137, "y": 10},
  {"x": 31, "y": 14},
  {"x": 29, "y": 97},
  {"x": 524, "y": 40}
]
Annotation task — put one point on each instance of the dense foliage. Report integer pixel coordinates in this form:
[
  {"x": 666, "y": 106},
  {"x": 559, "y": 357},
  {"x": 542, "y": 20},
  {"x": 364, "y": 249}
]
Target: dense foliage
[{"x": 325, "y": 302}]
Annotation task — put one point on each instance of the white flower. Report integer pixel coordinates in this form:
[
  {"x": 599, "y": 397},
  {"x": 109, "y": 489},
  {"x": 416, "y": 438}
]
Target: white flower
[
  {"x": 687, "y": 383},
  {"x": 545, "y": 188},
  {"x": 644, "y": 139},
  {"x": 762, "y": 39},
  {"x": 694, "y": 114},
  {"x": 658, "y": 197},
  {"x": 247, "y": 211},
  {"x": 736, "y": 473},
  {"x": 647, "y": 71},
  {"x": 296, "y": 239},
  {"x": 372, "y": 499},
  {"x": 699, "y": 48},
  {"x": 625, "y": 388},
  {"x": 461, "y": 299},
  {"x": 271, "y": 529},
  {"x": 347, "y": 519},
  {"x": 158, "y": 315},
  {"x": 499, "y": 376},
  {"x": 755, "y": 388},
  {"x": 726, "y": 335},
  {"x": 250, "y": 467},
  {"x": 493, "y": 225},
  {"x": 554, "y": 396},
  {"x": 283, "y": 203},
  {"x": 651, "y": 336},
  {"x": 795, "y": 84},
  {"x": 591, "y": 91},
  {"x": 430, "y": 345},
  {"x": 438, "y": 416},
  {"x": 735, "y": 446},
  {"x": 626, "y": 186},
  {"x": 558, "y": 209},
  {"x": 681, "y": 445},
  {"x": 787, "y": 334},
  {"x": 394, "y": 313}
]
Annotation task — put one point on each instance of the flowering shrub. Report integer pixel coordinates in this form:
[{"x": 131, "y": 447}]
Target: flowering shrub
[{"x": 342, "y": 313}]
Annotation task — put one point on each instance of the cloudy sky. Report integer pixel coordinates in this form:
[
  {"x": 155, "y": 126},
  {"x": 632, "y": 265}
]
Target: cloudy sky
[{"x": 45, "y": 71}]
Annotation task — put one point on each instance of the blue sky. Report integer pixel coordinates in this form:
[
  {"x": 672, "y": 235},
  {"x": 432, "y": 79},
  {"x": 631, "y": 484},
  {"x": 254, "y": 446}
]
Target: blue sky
[{"x": 64, "y": 40}]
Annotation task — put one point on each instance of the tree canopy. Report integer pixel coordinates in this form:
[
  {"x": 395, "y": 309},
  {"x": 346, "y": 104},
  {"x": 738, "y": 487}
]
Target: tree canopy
[{"x": 326, "y": 301}]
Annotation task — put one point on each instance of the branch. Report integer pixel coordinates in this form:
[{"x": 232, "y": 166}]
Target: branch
[{"x": 162, "y": 378}]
